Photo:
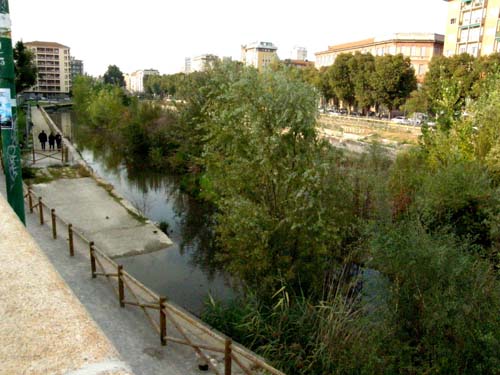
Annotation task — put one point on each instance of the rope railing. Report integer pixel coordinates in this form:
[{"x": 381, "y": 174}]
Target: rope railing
[{"x": 132, "y": 292}]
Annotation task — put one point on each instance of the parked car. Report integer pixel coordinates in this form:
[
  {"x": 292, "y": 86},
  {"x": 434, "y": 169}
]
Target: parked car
[
  {"x": 343, "y": 111},
  {"x": 400, "y": 120}
]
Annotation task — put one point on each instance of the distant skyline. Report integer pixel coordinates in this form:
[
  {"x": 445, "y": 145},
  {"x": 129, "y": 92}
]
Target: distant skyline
[{"x": 159, "y": 35}]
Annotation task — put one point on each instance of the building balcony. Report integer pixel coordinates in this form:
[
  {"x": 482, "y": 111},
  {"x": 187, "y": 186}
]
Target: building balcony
[
  {"x": 471, "y": 25},
  {"x": 472, "y": 4}
]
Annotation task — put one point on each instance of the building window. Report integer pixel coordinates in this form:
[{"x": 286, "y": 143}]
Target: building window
[{"x": 453, "y": 21}]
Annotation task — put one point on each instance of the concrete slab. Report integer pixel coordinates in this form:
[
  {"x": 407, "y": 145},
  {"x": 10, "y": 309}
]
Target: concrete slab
[{"x": 100, "y": 217}]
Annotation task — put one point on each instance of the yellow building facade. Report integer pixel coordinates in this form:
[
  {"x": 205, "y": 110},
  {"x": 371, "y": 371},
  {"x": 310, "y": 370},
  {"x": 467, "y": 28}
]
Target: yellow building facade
[
  {"x": 258, "y": 54},
  {"x": 419, "y": 47},
  {"x": 472, "y": 27},
  {"x": 54, "y": 67}
]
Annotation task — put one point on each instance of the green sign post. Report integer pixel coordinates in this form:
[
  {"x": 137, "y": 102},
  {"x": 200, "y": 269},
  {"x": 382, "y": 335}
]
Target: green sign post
[{"x": 8, "y": 116}]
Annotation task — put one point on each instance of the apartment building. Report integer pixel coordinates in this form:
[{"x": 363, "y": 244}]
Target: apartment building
[
  {"x": 258, "y": 54},
  {"x": 54, "y": 68},
  {"x": 76, "y": 68},
  {"x": 473, "y": 27},
  {"x": 299, "y": 53},
  {"x": 419, "y": 47},
  {"x": 202, "y": 62},
  {"x": 134, "y": 82}
]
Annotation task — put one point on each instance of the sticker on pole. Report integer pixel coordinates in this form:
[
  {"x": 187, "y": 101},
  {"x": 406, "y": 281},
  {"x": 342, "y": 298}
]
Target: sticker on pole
[{"x": 5, "y": 109}]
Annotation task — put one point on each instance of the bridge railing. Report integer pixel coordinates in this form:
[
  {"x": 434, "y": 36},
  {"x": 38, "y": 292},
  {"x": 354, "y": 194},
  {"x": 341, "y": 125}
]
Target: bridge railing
[{"x": 172, "y": 323}]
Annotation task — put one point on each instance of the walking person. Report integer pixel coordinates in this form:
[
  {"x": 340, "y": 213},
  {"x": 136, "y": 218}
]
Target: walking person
[
  {"x": 52, "y": 140},
  {"x": 58, "y": 141},
  {"x": 42, "y": 137}
]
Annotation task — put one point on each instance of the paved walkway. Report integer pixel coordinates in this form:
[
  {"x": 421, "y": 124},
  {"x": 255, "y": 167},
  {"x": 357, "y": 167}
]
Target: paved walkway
[
  {"x": 47, "y": 157},
  {"x": 127, "y": 328},
  {"x": 43, "y": 328}
]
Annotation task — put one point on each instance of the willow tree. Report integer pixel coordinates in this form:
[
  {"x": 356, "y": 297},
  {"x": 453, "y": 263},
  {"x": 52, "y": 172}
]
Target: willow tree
[{"x": 283, "y": 209}]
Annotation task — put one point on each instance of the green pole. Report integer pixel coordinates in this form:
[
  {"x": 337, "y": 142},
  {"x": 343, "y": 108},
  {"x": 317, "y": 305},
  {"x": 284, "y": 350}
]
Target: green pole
[{"x": 8, "y": 116}]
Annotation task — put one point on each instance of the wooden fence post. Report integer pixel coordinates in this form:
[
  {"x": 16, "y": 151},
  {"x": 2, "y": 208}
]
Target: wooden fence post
[
  {"x": 92, "y": 260},
  {"x": 121, "y": 289},
  {"x": 66, "y": 151},
  {"x": 30, "y": 200},
  {"x": 33, "y": 154},
  {"x": 54, "y": 229},
  {"x": 70, "y": 238},
  {"x": 227, "y": 357},
  {"x": 40, "y": 209},
  {"x": 163, "y": 322}
]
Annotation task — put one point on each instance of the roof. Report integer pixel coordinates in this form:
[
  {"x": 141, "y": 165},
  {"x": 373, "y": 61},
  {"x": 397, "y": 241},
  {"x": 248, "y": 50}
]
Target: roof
[
  {"x": 397, "y": 37},
  {"x": 357, "y": 44},
  {"x": 37, "y": 43}
]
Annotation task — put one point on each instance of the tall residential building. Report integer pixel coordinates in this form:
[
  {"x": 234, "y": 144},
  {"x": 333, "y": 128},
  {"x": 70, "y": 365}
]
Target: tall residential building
[
  {"x": 258, "y": 54},
  {"x": 187, "y": 65},
  {"x": 299, "y": 53},
  {"x": 202, "y": 62},
  {"x": 53, "y": 63},
  {"x": 473, "y": 27},
  {"x": 76, "y": 68},
  {"x": 134, "y": 82},
  {"x": 419, "y": 47}
]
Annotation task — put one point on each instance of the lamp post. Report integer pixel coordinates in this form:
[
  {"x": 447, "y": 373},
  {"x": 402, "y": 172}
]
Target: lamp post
[{"x": 8, "y": 116}]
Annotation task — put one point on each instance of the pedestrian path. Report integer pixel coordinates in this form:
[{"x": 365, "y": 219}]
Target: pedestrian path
[
  {"x": 44, "y": 329},
  {"x": 40, "y": 158}
]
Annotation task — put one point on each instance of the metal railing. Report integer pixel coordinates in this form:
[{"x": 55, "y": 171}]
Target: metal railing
[{"x": 131, "y": 292}]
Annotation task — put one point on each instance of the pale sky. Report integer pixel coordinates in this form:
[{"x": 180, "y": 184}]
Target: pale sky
[{"x": 160, "y": 34}]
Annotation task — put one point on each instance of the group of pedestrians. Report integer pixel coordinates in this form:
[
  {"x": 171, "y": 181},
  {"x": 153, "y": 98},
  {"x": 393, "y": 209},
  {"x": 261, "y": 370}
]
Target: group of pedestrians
[{"x": 53, "y": 140}]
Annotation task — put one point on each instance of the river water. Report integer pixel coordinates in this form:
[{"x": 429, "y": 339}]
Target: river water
[{"x": 185, "y": 272}]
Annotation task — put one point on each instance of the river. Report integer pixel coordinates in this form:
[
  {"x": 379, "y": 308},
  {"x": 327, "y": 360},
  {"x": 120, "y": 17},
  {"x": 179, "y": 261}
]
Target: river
[{"x": 185, "y": 272}]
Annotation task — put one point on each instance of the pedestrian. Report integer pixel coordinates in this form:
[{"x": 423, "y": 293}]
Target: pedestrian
[
  {"x": 52, "y": 140},
  {"x": 58, "y": 141},
  {"x": 42, "y": 137}
]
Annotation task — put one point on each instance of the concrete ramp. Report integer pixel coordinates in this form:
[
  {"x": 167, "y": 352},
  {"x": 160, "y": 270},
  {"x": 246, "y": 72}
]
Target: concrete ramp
[{"x": 101, "y": 218}]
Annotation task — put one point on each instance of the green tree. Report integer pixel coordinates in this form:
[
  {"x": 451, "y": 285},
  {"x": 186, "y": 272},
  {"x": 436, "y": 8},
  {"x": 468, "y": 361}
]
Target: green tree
[
  {"x": 393, "y": 80},
  {"x": 341, "y": 79},
  {"x": 283, "y": 209},
  {"x": 25, "y": 68},
  {"x": 442, "y": 304},
  {"x": 458, "y": 71},
  {"x": 362, "y": 67},
  {"x": 114, "y": 76},
  {"x": 324, "y": 85}
]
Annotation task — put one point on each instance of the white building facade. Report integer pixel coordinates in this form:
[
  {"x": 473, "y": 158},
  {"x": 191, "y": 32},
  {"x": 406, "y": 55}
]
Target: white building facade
[{"x": 135, "y": 81}]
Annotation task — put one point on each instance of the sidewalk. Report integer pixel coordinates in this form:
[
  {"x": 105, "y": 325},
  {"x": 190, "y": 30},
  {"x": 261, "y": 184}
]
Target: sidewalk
[
  {"x": 43, "y": 328},
  {"x": 126, "y": 328}
]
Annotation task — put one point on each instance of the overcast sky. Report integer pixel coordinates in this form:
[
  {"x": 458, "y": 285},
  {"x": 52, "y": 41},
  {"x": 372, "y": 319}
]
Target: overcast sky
[{"x": 159, "y": 34}]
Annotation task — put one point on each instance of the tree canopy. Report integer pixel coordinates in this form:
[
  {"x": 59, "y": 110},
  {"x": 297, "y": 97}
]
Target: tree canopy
[
  {"x": 25, "y": 68},
  {"x": 114, "y": 76}
]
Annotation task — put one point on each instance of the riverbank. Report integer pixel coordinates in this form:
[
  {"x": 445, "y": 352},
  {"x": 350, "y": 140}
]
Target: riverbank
[{"x": 93, "y": 208}]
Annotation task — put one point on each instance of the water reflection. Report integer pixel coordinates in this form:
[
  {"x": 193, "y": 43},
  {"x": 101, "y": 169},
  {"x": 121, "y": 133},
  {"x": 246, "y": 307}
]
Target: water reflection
[{"x": 185, "y": 272}]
